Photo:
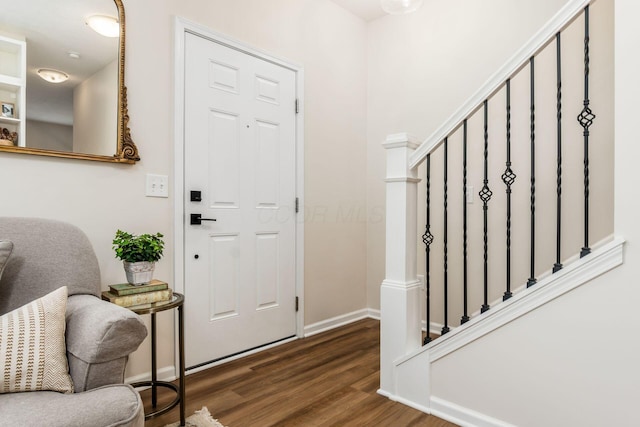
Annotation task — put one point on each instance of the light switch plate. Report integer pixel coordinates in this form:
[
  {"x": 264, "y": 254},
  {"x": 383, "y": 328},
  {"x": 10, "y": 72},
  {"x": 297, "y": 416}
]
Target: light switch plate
[{"x": 157, "y": 185}]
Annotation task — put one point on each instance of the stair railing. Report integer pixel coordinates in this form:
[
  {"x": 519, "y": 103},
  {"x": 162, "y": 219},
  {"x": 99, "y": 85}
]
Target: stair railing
[
  {"x": 400, "y": 292},
  {"x": 585, "y": 119}
]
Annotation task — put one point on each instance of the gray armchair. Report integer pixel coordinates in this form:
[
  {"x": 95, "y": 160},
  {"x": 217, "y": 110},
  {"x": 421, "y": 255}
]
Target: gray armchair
[{"x": 47, "y": 255}]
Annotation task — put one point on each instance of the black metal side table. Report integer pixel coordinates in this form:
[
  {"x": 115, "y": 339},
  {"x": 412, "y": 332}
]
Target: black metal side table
[{"x": 176, "y": 302}]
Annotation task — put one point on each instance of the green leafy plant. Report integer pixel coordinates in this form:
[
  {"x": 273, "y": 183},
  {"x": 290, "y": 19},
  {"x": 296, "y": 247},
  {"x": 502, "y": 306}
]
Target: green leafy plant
[{"x": 132, "y": 248}]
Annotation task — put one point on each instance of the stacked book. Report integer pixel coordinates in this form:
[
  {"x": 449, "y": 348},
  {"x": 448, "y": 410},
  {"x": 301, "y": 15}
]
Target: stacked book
[{"x": 136, "y": 296}]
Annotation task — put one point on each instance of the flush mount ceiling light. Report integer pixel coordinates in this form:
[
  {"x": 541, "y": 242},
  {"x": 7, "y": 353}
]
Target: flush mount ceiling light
[
  {"x": 107, "y": 26},
  {"x": 53, "y": 76},
  {"x": 398, "y": 7}
]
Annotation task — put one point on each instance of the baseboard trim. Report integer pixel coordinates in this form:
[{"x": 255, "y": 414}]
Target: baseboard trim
[
  {"x": 434, "y": 327},
  {"x": 168, "y": 373},
  {"x": 373, "y": 313},
  {"x": 462, "y": 416},
  {"x": 404, "y": 401},
  {"x": 190, "y": 371},
  {"x": 342, "y": 320}
]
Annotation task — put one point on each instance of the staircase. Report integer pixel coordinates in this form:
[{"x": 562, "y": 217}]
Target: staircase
[{"x": 500, "y": 268}]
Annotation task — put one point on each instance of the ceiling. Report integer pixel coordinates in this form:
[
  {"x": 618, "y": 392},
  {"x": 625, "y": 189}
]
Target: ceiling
[{"x": 368, "y": 10}]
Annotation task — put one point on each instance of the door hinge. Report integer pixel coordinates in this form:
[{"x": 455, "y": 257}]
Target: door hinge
[
  {"x": 297, "y": 205},
  {"x": 297, "y": 106},
  {"x": 297, "y": 303}
]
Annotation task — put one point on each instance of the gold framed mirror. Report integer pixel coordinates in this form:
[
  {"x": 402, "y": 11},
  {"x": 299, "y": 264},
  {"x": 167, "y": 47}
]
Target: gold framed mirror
[{"x": 62, "y": 83}]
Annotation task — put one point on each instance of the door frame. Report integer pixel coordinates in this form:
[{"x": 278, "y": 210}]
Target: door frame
[{"x": 181, "y": 27}]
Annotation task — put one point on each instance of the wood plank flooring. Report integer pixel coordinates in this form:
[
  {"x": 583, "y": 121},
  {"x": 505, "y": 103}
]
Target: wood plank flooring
[{"x": 329, "y": 379}]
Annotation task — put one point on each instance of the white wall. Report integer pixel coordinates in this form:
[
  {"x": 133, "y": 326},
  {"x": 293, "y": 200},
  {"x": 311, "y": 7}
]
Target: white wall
[
  {"x": 574, "y": 361},
  {"x": 50, "y": 136},
  {"x": 334, "y": 64},
  {"x": 95, "y": 109},
  {"x": 419, "y": 74},
  {"x": 100, "y": 198}
]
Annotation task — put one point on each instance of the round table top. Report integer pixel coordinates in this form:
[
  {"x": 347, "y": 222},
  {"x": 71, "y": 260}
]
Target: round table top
[{"x": 176, "y": 301}]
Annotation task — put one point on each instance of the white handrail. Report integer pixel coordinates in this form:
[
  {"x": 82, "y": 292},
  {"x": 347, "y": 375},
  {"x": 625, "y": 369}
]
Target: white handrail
[{"x": 556, "y": 24}]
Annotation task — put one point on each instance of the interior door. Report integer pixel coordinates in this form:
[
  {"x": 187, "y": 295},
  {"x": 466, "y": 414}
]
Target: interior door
[{"x": 240, "y": 142}]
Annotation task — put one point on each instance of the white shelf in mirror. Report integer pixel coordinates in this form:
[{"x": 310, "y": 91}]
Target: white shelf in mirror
[{"x": 13, "y": 79}]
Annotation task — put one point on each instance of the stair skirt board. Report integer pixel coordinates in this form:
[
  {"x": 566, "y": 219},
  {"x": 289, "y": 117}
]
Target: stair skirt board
[{"x": 412, "y": 373}]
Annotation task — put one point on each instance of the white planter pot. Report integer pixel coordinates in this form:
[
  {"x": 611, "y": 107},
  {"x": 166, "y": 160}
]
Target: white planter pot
[{"x": 139, "y": 273}]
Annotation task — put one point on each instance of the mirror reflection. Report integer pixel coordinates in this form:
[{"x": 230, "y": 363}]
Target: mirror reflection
[{"x": 60, "y": 86}]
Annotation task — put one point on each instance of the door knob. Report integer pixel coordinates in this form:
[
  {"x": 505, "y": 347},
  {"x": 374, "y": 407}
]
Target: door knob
[{"x": 196, "y": 219}]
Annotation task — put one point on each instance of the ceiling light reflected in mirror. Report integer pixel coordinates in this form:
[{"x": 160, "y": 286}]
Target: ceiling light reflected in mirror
[
  {"x": 107, "y": 26},
  {"x": 53, "y": 76}
]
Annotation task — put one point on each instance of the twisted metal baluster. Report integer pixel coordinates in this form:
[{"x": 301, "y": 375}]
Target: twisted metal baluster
[
  {"x": 465, "y": 315},
  {"x": 508, "y": 177},
  {"x": 427, "y": 239},
  {"x": 558, "y": 265},
  {"x": 445, "y": 328},
  {"x": 485, "y": 195},
  {"x": 532, "y": 278},
  {"x": 585, "y": 118}
]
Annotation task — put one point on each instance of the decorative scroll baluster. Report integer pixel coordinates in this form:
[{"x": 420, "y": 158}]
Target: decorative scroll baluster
[
  {"x": 465, "y": 315},
  {"x": 508, "y": 177},
  {"x": 558, "y": 265},
  {"x": 585, "y": 118},
  {"x": 427, "y": 239},
  {"x": 532, "y": 277},
  {"x": 485, "y": 195},
  {"x": 445, "y": 328}
]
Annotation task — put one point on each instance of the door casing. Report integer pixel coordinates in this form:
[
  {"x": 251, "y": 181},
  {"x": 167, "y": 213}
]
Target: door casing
[{"x": 182, "y": 26}]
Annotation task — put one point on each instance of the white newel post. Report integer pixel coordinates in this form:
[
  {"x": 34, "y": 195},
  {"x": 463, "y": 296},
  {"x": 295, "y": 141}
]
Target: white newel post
[{"x": 400, "y": 328}]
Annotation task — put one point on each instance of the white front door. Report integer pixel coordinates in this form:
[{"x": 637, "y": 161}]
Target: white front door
[{"x": 240, "y": 154}]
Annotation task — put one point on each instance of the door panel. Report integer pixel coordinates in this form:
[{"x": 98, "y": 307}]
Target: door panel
[
  {"x": 224, "y": 159},
  {"x": 267, "y": 280},
  {"x": 240, "y": 153},
  {"x": 267, "y": 164},
  {"x": 224, "y": 274}
]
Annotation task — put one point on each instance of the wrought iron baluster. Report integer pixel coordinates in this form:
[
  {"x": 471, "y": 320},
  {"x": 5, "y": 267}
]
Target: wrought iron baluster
[
  {"x": 465, "y": 315},
  {"x": 558, "y": 265},
  {"x": 508, "y": 177},
  {"x": 427, "y": 239},
  {"x": 585, "y": 118},
  {"x": 532, "y": 278},
  {"x": 485, "y": 195},
  {"x": 445, "y": 328}
]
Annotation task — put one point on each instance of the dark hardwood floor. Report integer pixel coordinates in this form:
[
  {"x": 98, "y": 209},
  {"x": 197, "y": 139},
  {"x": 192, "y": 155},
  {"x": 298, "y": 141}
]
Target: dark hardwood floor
[{"x": 329, "y": 379}]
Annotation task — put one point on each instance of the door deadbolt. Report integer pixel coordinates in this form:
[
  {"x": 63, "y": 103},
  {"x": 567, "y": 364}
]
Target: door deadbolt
[{"x": 196, "y": 196}]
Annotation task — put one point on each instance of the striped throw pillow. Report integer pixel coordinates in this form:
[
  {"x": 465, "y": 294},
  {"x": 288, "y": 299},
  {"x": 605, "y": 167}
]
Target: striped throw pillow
[{"x": 32, "y": 346}]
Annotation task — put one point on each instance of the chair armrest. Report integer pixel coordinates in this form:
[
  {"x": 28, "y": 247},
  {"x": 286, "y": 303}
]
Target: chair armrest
[{"x": 98, "y": 331}]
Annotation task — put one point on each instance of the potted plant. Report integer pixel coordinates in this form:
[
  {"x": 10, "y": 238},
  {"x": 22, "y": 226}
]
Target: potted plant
[{"x": 139, "y": 254}]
